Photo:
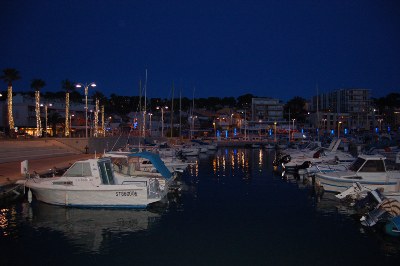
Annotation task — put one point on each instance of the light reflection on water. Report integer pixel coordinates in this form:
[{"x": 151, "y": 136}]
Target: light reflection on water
[{"x": 233, "y": 208}]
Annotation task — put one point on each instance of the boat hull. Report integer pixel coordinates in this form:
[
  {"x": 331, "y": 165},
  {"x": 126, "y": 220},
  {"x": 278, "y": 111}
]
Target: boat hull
[
  {"x": 337, "y": 184},
  {"x": 115, "y": 196}
]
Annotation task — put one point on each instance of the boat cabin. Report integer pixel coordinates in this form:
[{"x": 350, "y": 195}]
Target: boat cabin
[
  {"x": 368, "y": 164},
  {"x": 93, "y": 168}
]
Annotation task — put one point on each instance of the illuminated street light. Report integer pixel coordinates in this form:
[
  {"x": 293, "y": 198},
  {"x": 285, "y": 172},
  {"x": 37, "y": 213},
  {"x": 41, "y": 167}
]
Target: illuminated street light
[
  {"x": 70, "y": 123},
  {"x": 45, "y": 115},
  {"x": 162, "y": 118},
  {"x": 275, "y": 131},
  {"x": 86, "y": 86},
  {"x": 324, "y": 120},
  {"x": 380, "y": 124},
  {"x": 338, "y": 131},
  {"x": 150, "y": 115}
]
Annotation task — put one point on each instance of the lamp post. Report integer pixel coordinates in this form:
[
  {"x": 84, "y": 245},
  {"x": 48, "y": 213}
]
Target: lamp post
[
  {"x": 215, "y": 129},
  {"x": 70, "y": 124},
  {"x": 294, "y": 119},
  {"x": 324, "y": 120},
  {"x": 150, "y": 115},
  {"x": 45, "y": 115},
  {"x": 275, "y": 131},
  {"x": 86, "y": 86},
  {"x": 162, "y": 118},
  {"x": 380, "y": 124},
  {"x": 338, "y": 130}
]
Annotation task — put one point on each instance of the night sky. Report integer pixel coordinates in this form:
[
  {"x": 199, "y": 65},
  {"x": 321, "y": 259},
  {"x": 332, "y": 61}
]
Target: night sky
[{"x": 278, "y": 49}]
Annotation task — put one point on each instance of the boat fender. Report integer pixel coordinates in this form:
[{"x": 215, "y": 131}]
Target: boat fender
[{"x": 29, "y": 196}]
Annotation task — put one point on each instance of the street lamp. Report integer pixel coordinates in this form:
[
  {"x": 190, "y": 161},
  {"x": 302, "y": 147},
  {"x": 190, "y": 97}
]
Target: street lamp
[
  {"x": 45, "y": 115},
  {"x": 294, "y": 119},
  {"x": 162, "y": 118},
  {"x": 86, "y": 86},
  {"x": 275, "y": 131},
  {"x": 324, "y": 120},
  {"x": 70, "y": 124},
  {"x": 338, "y": 131},
  {"x": 380, "y": 124},
  {"x": 192, "y": 126},
  {"x": 150, "y": 115},
  {"x": 215, "y": 129}
]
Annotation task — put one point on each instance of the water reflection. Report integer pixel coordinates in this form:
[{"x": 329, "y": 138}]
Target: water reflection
[{"x": 91, "y": 229}]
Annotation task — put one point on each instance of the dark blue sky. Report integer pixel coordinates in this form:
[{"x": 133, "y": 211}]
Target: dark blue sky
[{"x": 277, "y": 49}]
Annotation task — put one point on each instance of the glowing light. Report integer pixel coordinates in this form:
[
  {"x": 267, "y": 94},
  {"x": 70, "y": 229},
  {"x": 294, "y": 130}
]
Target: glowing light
[
  {"x": 96, "y": 118},
  {"x": 10, "y": 114},
  {"x": 37, "y": 109},
  {"x": 67, "y": 123},
  {"x": 102, "y": 121}
]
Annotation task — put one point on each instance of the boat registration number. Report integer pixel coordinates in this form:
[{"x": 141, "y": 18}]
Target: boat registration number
[{"x": 125, "y": 193}]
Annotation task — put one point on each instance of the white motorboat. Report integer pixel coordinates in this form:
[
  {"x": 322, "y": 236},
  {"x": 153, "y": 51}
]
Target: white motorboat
[
  {"x": 191, "y": 150},
  {"x": 368, "y": 170},
  {"x": 320, "y": 157},
  {"x": 205, "y": 145},
  {"x": 93, "y": 183}
]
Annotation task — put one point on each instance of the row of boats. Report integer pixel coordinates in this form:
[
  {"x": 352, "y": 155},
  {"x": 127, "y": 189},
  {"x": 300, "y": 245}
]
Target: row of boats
[
  {"x": 369, "y": 182},
  {"x": 129, "y": 178}
]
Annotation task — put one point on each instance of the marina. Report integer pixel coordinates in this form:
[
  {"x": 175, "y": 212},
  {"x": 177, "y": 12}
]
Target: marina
[{"x": 233, "y": 208}]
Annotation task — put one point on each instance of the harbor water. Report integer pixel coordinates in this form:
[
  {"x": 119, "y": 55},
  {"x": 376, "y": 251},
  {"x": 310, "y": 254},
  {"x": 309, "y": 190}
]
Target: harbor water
[{"x": 233, "y": 208}]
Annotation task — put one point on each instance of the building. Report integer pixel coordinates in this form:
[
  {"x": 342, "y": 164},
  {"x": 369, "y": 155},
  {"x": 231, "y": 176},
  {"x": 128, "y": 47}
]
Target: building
[
  {"x": 344, "y": 109},
  {"x": 266, "y": 109}
]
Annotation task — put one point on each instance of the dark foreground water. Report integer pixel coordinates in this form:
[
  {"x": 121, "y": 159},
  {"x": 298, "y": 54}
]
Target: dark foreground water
[{"x": 234, "y": 209}]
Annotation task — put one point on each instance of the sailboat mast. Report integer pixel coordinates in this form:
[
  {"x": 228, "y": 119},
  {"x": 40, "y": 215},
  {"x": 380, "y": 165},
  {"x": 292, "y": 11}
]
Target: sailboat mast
[
  {"x": 145, "y": 105},
  {"x": 180, "y": 113},
  {"x": 317, "y": 113},
  {"x": 172, "y": 108}
]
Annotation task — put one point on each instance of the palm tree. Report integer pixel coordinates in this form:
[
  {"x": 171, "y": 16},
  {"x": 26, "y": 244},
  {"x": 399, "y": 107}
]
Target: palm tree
[
  {"x": 37, "y": 84},
  {"x": 68, "y": 86},
  {"x": 9, "y": 75},
  {"x": 55, "y": 119}
]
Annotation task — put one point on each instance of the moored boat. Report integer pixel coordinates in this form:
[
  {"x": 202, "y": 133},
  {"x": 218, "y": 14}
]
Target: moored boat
[
  {"x": 368, "y": 170},
  {"x": 92, "y": 183}
]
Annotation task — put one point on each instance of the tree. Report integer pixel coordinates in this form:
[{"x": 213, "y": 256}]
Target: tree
[
  {"x": 54, "y": 120},
  {"x": 244, "y": 101},
  {"x": 386, "y": 107},
  {"x": 297, "y": 108},
  {"x": 68, "y": 86},
  {"x": 10, "y": 75},
  {"x": 36, "y": 85}
]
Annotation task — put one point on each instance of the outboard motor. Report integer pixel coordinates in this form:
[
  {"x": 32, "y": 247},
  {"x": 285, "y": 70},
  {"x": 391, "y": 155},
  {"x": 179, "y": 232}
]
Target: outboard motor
[
  {"x": 286, "y": 158},
  {"x": 369, "y": 202},
  {"x": 373, "y": 217},
  {"x": 277, "y": 159}
]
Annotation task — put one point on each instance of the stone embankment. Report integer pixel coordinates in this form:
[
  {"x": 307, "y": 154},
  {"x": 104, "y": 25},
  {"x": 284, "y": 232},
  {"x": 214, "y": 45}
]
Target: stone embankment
[{"x": 42, "y": 155}]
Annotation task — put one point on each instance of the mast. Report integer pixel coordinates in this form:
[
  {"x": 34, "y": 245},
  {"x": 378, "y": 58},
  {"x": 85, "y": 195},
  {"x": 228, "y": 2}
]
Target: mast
[
  {"x": 140, "y": 107},
  {"x": 191, "y": 116},
  {"x": 145, "y": 106},
  {"x": 289, "y": 127},
  {"x": 180, "y": 113},
  {"x": 317, "y": 113},
  {"x": 172, "y": 108}
]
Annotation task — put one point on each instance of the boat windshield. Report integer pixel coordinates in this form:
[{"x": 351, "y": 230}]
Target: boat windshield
[
  {"x": 106, "y": 173},
  {"x": 356, "y": 164},
  {"x": 373, "y": 166},
  {"x": 79, "y": 169}
]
